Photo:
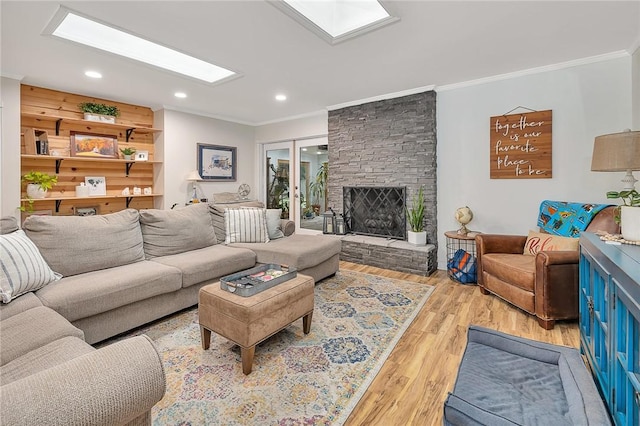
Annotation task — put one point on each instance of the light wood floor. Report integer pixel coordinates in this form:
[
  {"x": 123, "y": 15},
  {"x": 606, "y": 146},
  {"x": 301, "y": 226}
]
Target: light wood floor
[{"x": 413, "y": 384}]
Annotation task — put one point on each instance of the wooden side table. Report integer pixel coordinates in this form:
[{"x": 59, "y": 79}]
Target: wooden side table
[{"x": 461, "y": 257}]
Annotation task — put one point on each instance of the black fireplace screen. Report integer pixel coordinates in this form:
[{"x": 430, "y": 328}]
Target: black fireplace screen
[{"x": 378, "y": 211}]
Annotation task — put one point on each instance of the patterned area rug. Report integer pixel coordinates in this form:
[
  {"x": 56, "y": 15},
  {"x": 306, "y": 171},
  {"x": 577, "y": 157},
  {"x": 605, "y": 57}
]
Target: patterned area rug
[{"x": 297, "y": 379}]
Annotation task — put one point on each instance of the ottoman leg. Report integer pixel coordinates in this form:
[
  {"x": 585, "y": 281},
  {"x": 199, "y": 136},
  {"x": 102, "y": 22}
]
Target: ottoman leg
[
  {"x": 247, "y": 358},
  {"x": 205, "y": 337},
  {"x": 306, "y": 322}
]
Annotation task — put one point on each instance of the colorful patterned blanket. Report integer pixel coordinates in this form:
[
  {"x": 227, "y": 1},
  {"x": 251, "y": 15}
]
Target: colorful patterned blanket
[{"x": 566, "y": 219}]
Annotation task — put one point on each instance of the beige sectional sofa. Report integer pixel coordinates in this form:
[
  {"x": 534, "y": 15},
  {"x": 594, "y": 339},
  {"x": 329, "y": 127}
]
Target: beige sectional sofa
[{"x": 120, "y": 271}]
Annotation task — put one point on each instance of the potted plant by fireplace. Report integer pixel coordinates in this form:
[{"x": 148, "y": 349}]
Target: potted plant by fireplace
[{"x": 415, "y": 215}]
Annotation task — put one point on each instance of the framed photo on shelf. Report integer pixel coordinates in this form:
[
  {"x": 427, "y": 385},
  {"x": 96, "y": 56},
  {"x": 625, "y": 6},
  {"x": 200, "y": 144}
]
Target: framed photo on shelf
[
  {"x": 97, "y": 185},
  {"x": 142, "y": 156},
  {"x": 217, "y": 162},
  {"x": 86, "y": 211},
  {"x": 93, "y": 145}
]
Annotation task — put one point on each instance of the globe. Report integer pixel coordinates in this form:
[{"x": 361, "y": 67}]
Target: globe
[{"x": 463, "y": 216}]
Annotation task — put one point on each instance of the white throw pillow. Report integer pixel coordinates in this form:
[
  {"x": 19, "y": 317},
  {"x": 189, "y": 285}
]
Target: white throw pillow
[
  {"x": 245, "y": 225},
  {"x": 22, "y": 267},
  {"x": 274, "y": 224}
]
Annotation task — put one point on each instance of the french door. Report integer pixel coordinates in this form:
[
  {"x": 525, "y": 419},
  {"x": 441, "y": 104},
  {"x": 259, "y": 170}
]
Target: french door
[{"x": 296, "y": 181}]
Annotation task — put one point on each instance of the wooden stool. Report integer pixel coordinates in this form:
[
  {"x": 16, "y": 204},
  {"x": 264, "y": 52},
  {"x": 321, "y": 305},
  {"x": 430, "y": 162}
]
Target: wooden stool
[{"x": 248, "y": 321}]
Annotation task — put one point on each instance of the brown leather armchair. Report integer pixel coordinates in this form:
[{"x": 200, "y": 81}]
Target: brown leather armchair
[{"x": 544, "y": 285}]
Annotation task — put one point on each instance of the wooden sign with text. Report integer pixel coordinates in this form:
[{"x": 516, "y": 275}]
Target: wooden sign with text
[{"x": 521, "y": 146}]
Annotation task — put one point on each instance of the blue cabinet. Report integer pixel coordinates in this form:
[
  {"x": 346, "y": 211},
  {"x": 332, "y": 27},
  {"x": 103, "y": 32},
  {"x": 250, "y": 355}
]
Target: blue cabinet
[{"x": 610, "y": 323}]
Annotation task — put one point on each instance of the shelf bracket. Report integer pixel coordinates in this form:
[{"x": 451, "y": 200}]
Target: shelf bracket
[
  {"x": 58, "y": 163},
  {"x": 128, "y": 201},
  {"x": 58, "y": 121},
  {"x": 58, "y": 202},
  {"x": 127, "y": 167},
  {"x": 129, "y": 132}
]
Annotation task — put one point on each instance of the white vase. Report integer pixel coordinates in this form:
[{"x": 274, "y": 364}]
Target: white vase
[
  {"x": 34, "y": 191},
  {"x": 630, "y": 223},
  {"x": 417, "y": 238}
]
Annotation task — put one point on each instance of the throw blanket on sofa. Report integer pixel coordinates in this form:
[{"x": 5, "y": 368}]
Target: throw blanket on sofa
[{"x": 566, "y": 219}]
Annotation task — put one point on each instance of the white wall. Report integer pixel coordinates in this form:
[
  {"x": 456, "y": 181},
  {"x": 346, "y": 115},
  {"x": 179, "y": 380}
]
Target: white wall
[
  {"x": 182, "y": 133},
  {"x": 314, "y": 125},
  {"x": 635, "y": 75},
  {"x": 10, "y": 147},
  {"x": 587, "y": 101}
]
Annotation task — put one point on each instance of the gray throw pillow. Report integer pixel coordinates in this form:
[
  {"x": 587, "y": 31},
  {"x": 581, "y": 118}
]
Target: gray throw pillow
[
  {"x": 274, "y": 224},
  {"x": 167, "y": 232},
  {"x": 72, "y": 245},
  {"x": 8, "y": 224}
]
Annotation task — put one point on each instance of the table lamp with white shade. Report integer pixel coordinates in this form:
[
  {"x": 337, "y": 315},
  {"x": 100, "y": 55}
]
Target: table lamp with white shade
[{"x": 194, "y": 177}]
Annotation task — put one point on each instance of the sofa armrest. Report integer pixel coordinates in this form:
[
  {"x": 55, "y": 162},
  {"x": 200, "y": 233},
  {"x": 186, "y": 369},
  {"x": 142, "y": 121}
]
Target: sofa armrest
[
  {"x": 556, "y": 284},
  {"x": 110, "y": 386},
  {"x": 495, "y": 243},
  {"x": 288, "y": 227}
]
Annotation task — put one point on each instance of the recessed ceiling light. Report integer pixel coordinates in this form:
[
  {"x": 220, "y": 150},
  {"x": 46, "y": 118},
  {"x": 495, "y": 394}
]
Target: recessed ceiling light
[
  {"x": 93, "y": 74},
  {"x": 181, "y": 95},
  {"x": 281, "y": 97},
  {"x": 71, "y": 26}
]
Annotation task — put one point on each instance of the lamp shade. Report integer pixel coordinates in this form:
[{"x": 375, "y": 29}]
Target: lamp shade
[
  {"x": 194, "y": 176},
  {"x": 616, "y": 152}
]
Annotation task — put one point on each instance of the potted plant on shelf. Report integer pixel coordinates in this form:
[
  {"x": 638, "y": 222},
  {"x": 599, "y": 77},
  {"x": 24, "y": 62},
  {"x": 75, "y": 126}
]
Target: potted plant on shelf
[
  {"x": 628, "y": 214},
  {"x": 99, "y": 112},
  {"x": 128, "y": 152},
  {"x": 38, "y": 184},
  {"x": 415, "y": 215}
]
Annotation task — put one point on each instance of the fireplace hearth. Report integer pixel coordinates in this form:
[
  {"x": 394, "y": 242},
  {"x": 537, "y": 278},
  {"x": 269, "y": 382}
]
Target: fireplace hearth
[{"x": 375, "y": 211}]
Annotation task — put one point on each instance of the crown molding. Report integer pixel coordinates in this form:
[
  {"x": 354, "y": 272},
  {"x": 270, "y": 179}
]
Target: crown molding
[
  {"x": 537, "y": 70},
  {"x": 382, "y": 97}
]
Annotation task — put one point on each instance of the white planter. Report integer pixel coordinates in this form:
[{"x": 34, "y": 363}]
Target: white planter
[
  {"x": 417, "y": 238},
  {"x": 99, "y": 117},
  {"x": 34, "y": 191},
  {"x": 127, "y": 157},
  {"x": 630, "y": 223}
]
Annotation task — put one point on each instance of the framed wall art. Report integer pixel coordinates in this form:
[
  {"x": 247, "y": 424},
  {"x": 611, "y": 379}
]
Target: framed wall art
[
  {"x": 216, "y": 162},
  {"x": 93, "y": 145},
  {"x": 97, "y": 185},
  {"x": 142, "y": 156}
]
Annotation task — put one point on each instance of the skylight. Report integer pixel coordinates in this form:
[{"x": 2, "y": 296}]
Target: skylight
[
  {"x": 100, "y": 36},
  {"x": 337, "y": 19}
]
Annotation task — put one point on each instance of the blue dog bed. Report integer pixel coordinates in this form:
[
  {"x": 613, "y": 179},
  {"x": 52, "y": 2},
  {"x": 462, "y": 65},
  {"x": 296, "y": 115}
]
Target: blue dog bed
[{"x": 508, "y": 380}]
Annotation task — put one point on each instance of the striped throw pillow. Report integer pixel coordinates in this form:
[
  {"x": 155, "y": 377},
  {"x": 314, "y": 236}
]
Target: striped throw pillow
[
  {"x": 245, "y": 225},
  {"x": 22, "y": 267}
]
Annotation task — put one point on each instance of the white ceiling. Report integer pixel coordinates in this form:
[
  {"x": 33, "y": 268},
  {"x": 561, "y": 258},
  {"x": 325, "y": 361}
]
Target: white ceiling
[{"x": 433, "y": 44}]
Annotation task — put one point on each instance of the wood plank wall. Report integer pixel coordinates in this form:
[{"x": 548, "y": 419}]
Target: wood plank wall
[{"x": 49, "y": 104}]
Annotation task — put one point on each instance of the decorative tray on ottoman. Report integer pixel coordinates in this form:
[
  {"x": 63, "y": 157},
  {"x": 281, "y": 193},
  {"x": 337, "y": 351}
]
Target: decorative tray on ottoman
[{"x": 252, "y": 281}]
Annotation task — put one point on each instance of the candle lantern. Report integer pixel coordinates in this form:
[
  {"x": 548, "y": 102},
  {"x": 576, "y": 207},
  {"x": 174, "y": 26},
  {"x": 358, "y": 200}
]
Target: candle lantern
[
  {"x": 329, "y": 223},
  {"x": 341, "y": 227}
]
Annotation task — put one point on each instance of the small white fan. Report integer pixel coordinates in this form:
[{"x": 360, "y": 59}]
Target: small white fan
[{"x": 243, "y": 191}]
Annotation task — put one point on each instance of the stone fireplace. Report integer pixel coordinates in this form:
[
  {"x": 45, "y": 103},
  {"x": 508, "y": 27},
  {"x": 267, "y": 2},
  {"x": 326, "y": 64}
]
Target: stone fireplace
[
  {"x": 385, "y": 144},
  {"x": 375, "y": 211}
]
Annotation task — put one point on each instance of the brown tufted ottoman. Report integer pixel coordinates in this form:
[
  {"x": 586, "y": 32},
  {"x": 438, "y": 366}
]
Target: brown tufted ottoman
[{"x": 247, "y": 321}]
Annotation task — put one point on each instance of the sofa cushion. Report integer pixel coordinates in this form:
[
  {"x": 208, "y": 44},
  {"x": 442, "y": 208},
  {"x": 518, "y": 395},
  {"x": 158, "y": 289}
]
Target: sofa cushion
[
  {"x": 274, "y": 223},
  {"x": 245, "y": 225},
  {"x": 516, "y": 269},
  {"x": 8, "y": 224},
  {"x": 73, "y": 245},
  {"x": 297, "y": 251},
  {"x": 20, "y": 304},
  {"x": 32, "y": 329},
  {"x": 92, "y": 293},
  {"x": 538, "y": 241},
  {"x": 22, "y": 268},
  {"x": 44, "y": 357},
  {"x": 217, "y": 214},
  {"x": 209, "y": 263},
  {"x": 167, "y": 232}
]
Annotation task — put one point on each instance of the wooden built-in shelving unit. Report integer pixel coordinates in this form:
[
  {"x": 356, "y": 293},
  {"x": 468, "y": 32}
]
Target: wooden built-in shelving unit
[{"x": 57, "y": 114}]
